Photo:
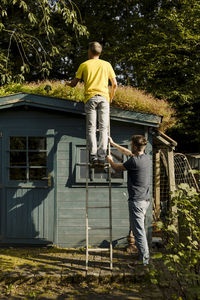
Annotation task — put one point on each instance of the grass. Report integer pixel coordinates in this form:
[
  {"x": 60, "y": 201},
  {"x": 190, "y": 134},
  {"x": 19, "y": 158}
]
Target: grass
[
  {"x": 34, "y": 273},
  {"x": 126, "y": 97}
]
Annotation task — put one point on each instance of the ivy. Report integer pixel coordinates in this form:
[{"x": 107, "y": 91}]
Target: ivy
[{"x": 182, "y": 259}]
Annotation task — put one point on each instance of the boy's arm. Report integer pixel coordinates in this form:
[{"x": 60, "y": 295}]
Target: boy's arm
[
  {"x": 121, "y": 149},
  {"x": 72, "y": 83},
  {"x": 113, "y": 88}
]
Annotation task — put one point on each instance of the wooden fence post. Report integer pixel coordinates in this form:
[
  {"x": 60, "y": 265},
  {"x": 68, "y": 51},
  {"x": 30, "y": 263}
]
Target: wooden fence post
[
  {"x": 172, "y": 185},
  {"x": 157, "y": 184}
]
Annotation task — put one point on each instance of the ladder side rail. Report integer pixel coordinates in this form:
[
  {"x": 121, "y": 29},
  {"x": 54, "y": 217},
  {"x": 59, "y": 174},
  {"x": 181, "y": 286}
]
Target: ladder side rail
[
  {"x": 110, "y": 249},
  {"x": 86, "y": 202},
  {"x": 110, "y": 202}
]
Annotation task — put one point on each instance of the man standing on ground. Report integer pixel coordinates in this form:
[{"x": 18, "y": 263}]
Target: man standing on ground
[
  {"x": 96, "y": 74},
  {"x": 138, "y": 167}
]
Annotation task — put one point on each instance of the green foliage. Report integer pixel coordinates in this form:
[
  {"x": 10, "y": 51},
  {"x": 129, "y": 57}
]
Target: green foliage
[
  {"x": 126, "y": 97},
  {"x": 182, "y": 259},
  {"x": 35, "y": 34},
  {"x": 153, "y": 45}
]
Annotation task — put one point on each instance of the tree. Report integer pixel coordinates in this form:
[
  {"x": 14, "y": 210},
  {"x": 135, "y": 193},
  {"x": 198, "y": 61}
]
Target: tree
[
  {"x": 35, "y": 35},
  {"x": 153, "y": 45}
]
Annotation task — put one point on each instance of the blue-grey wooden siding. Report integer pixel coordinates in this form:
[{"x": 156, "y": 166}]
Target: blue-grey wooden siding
[{"x": 68, "y": 208}]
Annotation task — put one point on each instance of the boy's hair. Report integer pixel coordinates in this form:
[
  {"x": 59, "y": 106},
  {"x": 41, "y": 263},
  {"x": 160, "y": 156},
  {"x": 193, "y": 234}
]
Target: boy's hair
[
  {"x": 139, "y": 141},
  {"x": 95, "y": 48}
]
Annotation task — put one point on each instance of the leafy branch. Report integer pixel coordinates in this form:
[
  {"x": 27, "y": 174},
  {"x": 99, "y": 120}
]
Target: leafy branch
[{"x": 28, "y": 31}]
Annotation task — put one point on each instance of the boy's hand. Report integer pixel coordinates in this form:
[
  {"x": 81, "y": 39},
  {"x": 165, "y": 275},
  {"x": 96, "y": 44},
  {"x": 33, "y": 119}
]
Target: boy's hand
[
  {"x": 68, "y": 83},
  {"x": 111, "y": 97},
  {"x": 72, "y": 83},
  {"x": 109, "y": 158}
]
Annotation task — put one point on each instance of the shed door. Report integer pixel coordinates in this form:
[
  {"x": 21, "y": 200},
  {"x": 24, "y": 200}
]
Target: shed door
[{"x": 27, "y": 189}]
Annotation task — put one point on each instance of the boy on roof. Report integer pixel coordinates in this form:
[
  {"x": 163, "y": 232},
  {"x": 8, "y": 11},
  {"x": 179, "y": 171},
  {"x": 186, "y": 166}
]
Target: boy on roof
[{"x": 96, "y": 74}]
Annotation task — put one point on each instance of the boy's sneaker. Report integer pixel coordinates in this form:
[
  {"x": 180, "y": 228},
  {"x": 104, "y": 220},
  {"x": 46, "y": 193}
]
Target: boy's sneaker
[{"x": 93, "y": 161}]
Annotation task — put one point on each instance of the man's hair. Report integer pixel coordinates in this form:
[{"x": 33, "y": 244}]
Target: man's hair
[
  {"x": 139, "y": 141},
  {"x": 95, "y": 48}
]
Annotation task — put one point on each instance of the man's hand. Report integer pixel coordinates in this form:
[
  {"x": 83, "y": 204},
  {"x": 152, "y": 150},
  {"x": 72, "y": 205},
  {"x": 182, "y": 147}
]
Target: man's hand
[
  {"x": 109, "y": 158},
  {"x": 110, "y": 140}
]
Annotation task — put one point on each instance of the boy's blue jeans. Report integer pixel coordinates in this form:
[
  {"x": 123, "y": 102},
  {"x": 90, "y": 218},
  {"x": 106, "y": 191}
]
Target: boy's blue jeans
[
  {"x": 97, "y": 106},
  {"x": 137, "y": 212}
]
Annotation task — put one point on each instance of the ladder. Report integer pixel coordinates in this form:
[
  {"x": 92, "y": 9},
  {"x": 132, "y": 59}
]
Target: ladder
[{"x": 88, "y": 207}]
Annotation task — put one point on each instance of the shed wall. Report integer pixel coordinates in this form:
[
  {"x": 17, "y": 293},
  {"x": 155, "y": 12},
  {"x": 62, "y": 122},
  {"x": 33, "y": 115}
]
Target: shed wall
[{"x": 69, "y": 202}]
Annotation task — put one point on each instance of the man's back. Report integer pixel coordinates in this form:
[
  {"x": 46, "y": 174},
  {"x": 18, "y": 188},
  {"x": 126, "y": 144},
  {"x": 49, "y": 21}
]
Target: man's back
[
  {"x": 95, "y": 73},
  {"x": 138, "y": 177}
]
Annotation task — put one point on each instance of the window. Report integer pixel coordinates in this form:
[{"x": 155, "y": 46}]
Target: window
[
  {"x": 98, "y": 174},
  {"x": 28, "y": 158}
]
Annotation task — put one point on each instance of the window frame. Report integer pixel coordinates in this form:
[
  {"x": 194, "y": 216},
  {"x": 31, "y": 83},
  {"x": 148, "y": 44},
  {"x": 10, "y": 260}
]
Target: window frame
[
  {"x": 77, "y": 164},
  {"x": 27, "y": 167}
]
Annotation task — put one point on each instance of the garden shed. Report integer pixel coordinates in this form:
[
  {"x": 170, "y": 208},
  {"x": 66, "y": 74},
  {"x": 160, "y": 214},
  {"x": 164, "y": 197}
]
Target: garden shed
[{"x": 42, "y": 178}]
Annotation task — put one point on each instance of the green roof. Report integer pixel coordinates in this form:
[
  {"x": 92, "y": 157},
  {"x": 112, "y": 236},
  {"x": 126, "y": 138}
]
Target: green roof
[{"x": 70, "y": 106}]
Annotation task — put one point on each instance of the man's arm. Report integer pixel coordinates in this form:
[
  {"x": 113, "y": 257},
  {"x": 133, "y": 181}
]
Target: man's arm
[
  {"x": 116, "y": 167},
  {"x": 72, "y": 83},
  {"x": 113, "y": 88},
  {"x": 121, "y": 149}
]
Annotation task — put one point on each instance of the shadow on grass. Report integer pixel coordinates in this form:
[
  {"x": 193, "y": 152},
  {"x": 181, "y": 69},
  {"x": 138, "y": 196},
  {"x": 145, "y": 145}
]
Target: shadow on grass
[{"x": 62, "y": 260}]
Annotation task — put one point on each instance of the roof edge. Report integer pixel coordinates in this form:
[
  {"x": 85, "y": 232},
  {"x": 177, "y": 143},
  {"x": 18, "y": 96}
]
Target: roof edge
[{"x": 73, "y": 106}]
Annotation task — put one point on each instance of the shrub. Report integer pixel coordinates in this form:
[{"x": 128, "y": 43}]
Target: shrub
[{"x": 182, "y": 259}]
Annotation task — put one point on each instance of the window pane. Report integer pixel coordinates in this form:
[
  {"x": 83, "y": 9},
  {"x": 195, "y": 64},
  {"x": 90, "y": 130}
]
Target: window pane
[
  {"x": 82, "y": 171},
  {"x": 82, "y": 155},
  {"x": 37, "y": 159},
  {"x": 101, "y": 173},
  {"x": 18, "y": 174},
  {"x": 37, "y": 174},
  {"x": 118, "y": 174},
  {"x": 18, "y": 143},
  {"x": 118, "y": 158},
  {"x": 37, "y": 143},
  {"x": 17, "y": 158}
]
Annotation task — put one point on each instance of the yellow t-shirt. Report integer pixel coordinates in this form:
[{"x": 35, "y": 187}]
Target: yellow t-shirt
[{"x": 96, "y": 74}]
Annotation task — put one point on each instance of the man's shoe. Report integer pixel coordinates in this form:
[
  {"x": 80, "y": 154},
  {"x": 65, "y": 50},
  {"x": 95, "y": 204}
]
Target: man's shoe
[{"x": 137, "y": 264}]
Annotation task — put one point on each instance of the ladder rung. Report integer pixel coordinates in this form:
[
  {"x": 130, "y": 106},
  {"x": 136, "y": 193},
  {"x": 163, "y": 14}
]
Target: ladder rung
[
  {"x": 83, "y": 164},
  {"x": 98, "y": 249},
  {"x": 95, "y": 164},
  {"x": 98, "y": 206},
  {"x": 92, "y": 186},
  {"x": 98, "y": 228}
]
